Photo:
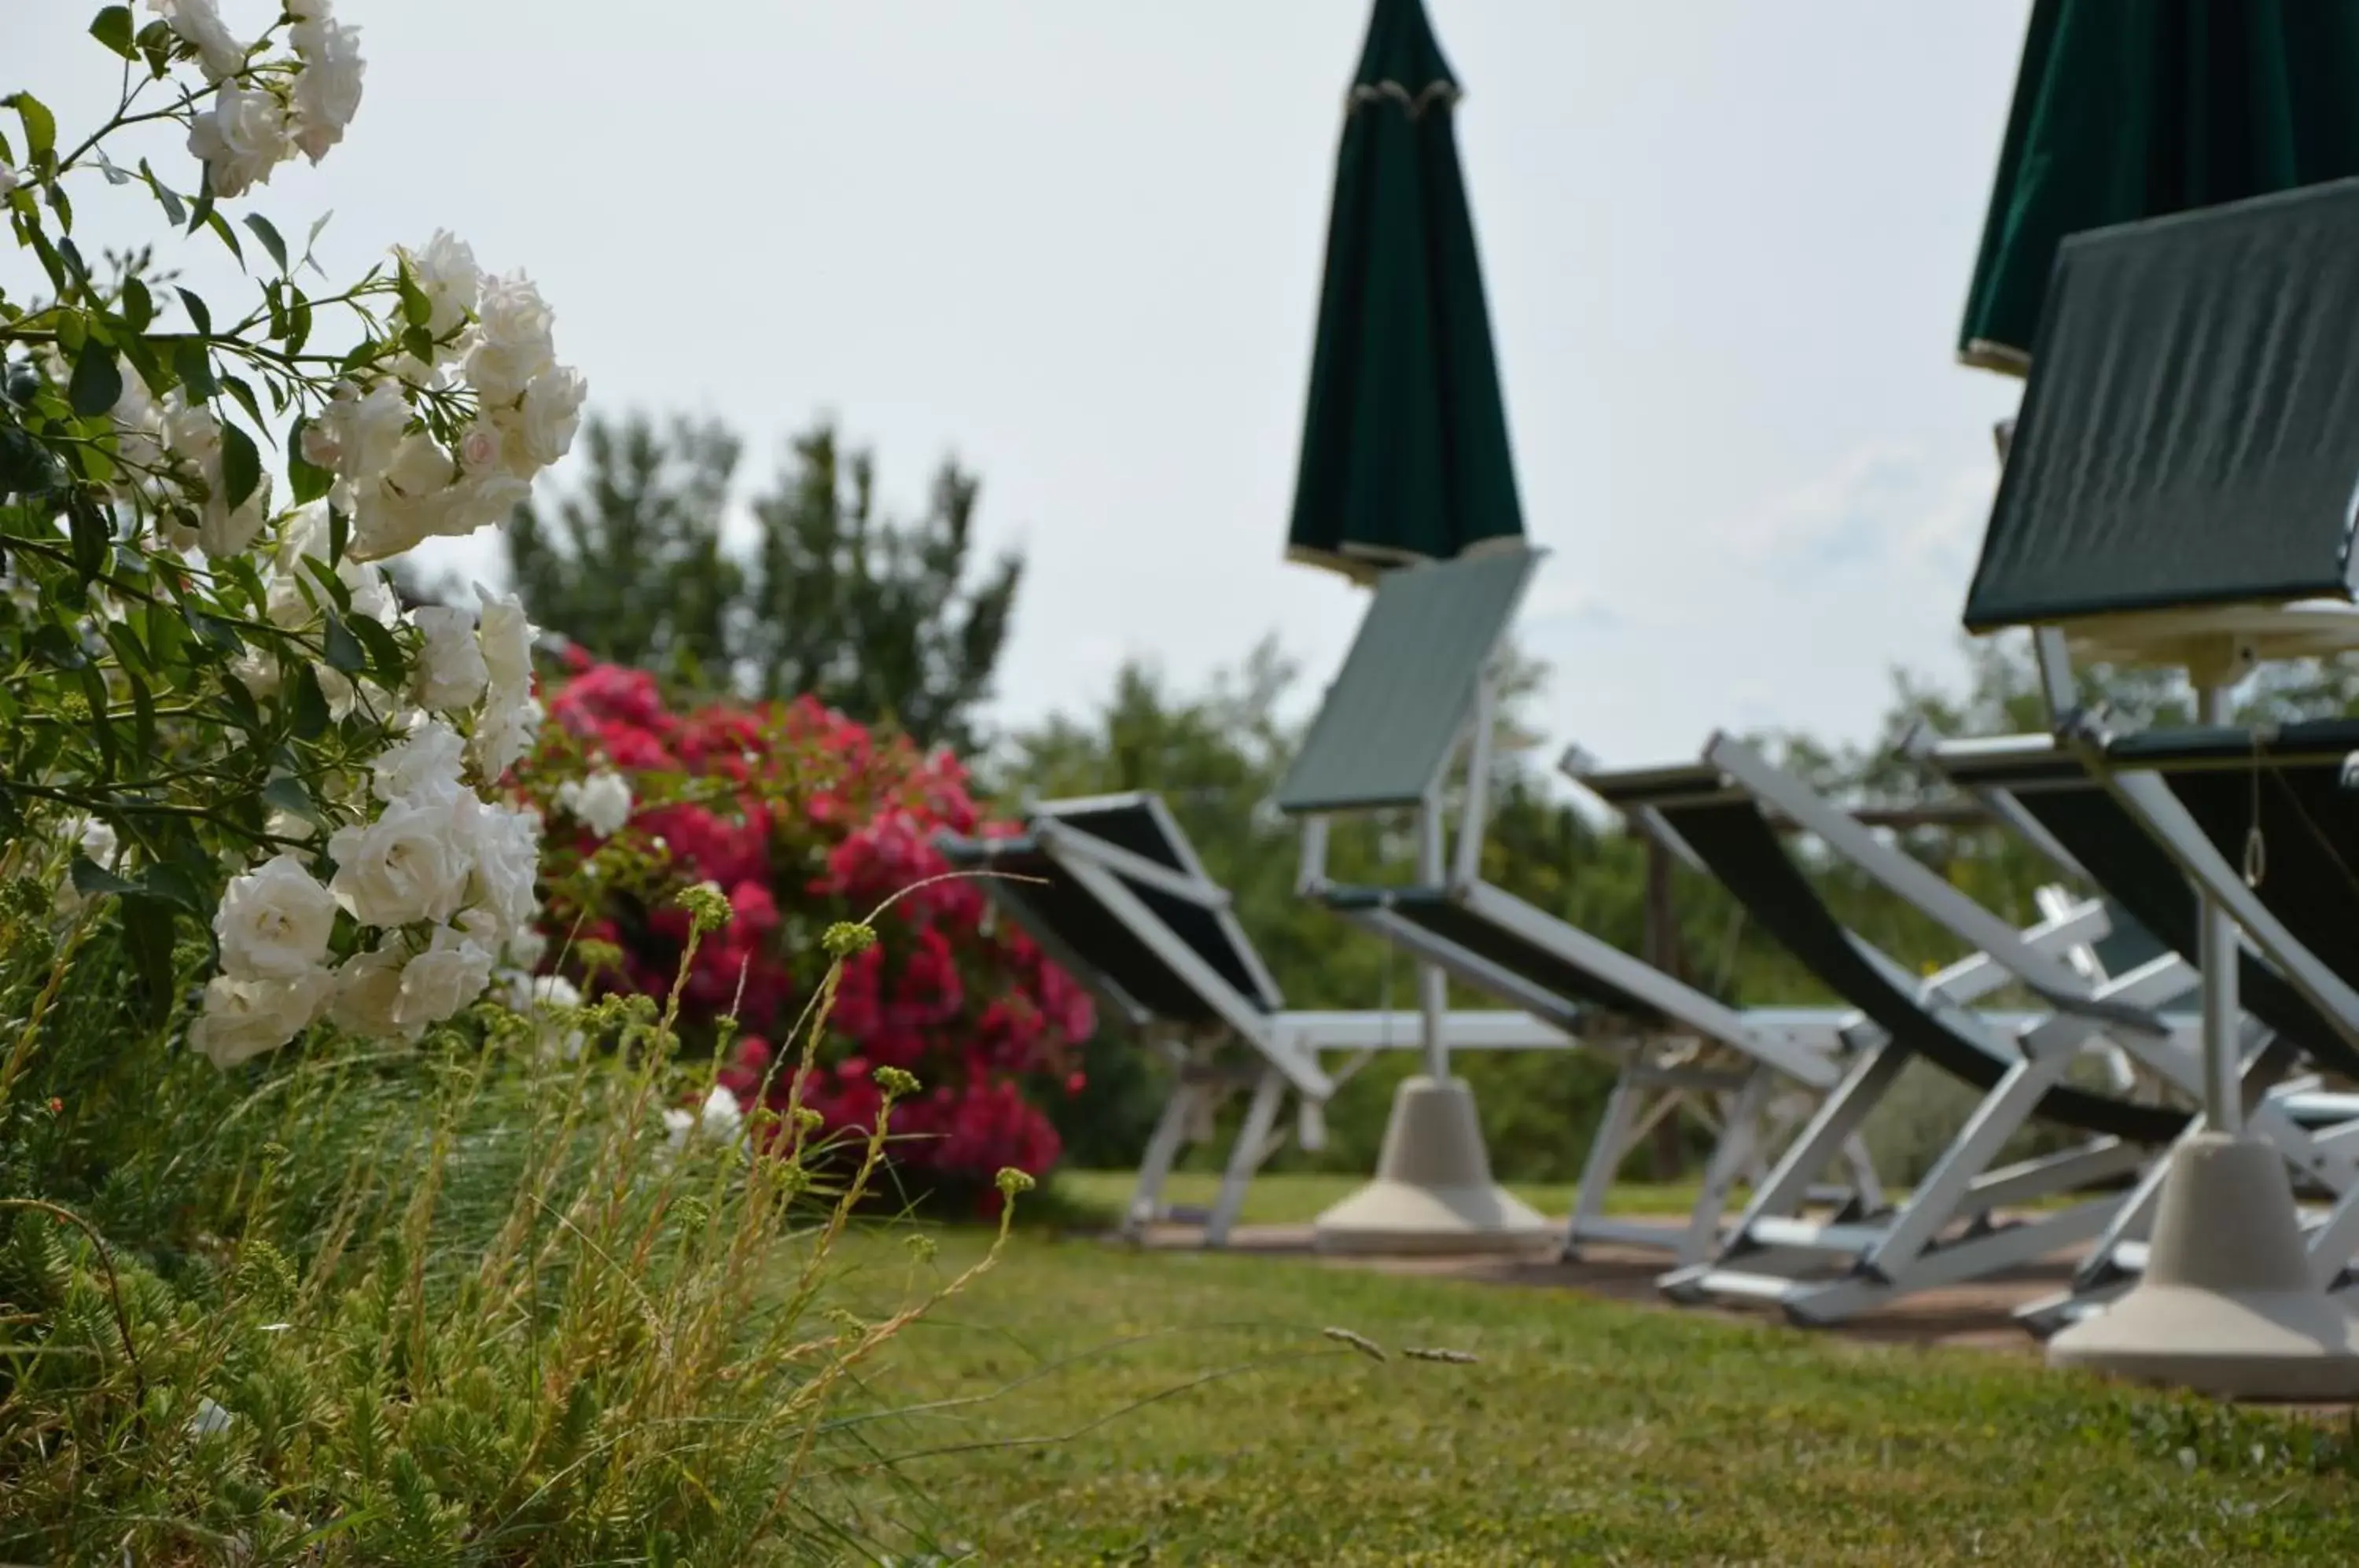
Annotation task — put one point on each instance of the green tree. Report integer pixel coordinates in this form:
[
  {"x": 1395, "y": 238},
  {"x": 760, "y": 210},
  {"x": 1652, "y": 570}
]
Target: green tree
[
  {"x": 890, "y": 621},
  {"x": 631, "y": 565},
  {"x": 874, "y": 617}
]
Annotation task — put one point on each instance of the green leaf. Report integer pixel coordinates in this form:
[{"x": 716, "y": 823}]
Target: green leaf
[
  {"x": 344, "y": 650},
  {"x": 333, "y": 586},
  {"x": 220, "y": 225},
  {"x": 90, "y": 538},
  {"x": 194, "y": 366},
  {"x": 416, "y": 308},
  {"x": 155, "y": 42},
  {"x": 241, "y": 464},
  {"x": 299, "y": 322},
  {"x": 97, "y": 380},
  {"x": 420, "y": 343},
  {"x": 148, "y": 932},
  {"x": 112, "y": 28},
  {"x": 139, "y": 305},
  {"x": 166, "y": 197},
  {"x": 102, "y": 727},
  {"x": 41, "y": 128},
  {"x": 213, "y": 631},
  {"x": 199, "y": 316},
  {"x": 270, "y": 238},
  {"x": 339, "y": 534},
  {"x": 386, "y": 661},
  {"x": 95, "y": 881},
  {"x": 143, "y": 713},
  {"x": 310, "y": 705},
  {"x": 307, "y": 481},
  {"x": 287, "y": 794},
  {"x": 245, "y": 396},
  {"x": 176, "y": 885}
]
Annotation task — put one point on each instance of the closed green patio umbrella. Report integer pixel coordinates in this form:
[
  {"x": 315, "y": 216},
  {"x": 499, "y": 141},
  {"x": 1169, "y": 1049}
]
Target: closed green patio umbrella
[
  {"x": 2131, "y": 109},
  {"x": 1405, "y": 440}
]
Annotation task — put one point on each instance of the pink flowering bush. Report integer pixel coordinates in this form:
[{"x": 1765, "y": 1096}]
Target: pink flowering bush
[{"x": 804, "y": 819}]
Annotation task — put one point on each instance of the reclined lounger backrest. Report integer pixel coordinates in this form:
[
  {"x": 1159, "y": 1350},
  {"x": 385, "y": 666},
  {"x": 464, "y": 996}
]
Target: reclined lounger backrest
[
  {"x": 1433, "y": 909},
  {"x": 1092, "y": 943},
  {"x": 2096, "y": 831},
  {"x": 1738, "y": 846}
]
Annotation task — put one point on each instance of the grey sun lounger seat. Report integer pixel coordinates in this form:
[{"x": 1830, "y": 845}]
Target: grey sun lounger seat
[
  {"x": 1110, "y": 889},
  {"x": 2301, "y": 808},
  {"x": 1947, "y": 1230},
  {"x": 1414, "y": 705}
]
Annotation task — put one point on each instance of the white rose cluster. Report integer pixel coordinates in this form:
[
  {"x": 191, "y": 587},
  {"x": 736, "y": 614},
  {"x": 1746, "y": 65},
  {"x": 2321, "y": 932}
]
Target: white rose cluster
[
  {"x": 264, "y": 114},
  {"x": 492, "y": 335},
  {"x": 438, "y": 883}
]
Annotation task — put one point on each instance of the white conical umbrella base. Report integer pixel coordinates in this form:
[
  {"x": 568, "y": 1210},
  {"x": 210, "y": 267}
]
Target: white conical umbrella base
[
  {"x": 1433, "y": 1193},
  {"x": 2227, "y": 1305}
]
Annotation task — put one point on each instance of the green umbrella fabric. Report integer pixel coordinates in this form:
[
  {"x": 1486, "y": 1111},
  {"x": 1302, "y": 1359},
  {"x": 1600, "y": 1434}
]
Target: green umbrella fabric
[
  {"x": 1405, "y": 440},
  {"x": 2132, "y": 109}
]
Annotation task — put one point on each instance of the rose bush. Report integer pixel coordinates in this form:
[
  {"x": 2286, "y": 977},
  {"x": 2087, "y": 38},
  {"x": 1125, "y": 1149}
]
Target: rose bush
[
  {"x": 218, "y": 714},
  {"x": 803, "y": 818}
]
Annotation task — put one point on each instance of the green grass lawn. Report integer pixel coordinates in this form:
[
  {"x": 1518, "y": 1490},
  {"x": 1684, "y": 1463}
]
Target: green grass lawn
[{"x": 1091, "y": 1404}]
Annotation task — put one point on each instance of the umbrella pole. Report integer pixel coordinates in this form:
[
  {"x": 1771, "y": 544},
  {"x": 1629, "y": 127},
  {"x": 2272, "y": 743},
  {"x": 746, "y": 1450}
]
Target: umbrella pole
[
  {"x": 1432, "y": 985},
  {"x": 2217, "y": 957}
]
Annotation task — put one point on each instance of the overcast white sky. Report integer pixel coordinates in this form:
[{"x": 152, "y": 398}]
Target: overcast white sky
[{"x": 1077, "y": 242}]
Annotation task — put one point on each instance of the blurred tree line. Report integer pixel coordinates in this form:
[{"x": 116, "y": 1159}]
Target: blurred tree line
[{"x": 812, "y": 586}]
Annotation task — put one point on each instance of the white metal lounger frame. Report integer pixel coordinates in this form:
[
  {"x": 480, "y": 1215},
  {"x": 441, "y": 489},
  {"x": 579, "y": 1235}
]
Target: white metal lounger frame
[
  {"x": 1736, "y": 1100},
  {"x": 1288, "y": 1044},
  {"x": 1769, "y": 1251},
  {"x": 2327, "y": 1157}
]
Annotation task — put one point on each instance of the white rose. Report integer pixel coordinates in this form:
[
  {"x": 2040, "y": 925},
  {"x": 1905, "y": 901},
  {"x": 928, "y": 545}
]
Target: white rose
[
  {"x": 446, "y": 273},
  {"x": 222, "y": 532},
  {"x": 418, "y": 466},
  {"x": 719, "y": 1119},
  {"x": 359, "y": 432},
  {"x": 98, "y": 841},
  {"x": 411, "y": 864},
  {"x": 480, "y": 446},
  {"x": 450, "y": 973},
  {"x": 550, "y": 414},
  {"x": 328, "y": 88},
  {"x": 241, "y": 140},
  {"x": 450, "y": 673},
  {"x": 273, "y": 922},
  {"x": 8, "y": 178},
  {"x": 555, "y": 991},
  {"x": 368, "y": 995},
  {"x": 192, "y": 434},
  {"x": 372, "y": 593},
  {"x": 487, "y": 500},
  {"x": 256, "y": 672},
  {"x": 385, "y": 523},
  {"x": 508, "y": 865},
  {"x": 286, "y": 824},
  {"x": 138, "y": 420},
  {"x": 243, "y": 1018},
  {"x": 603, "y": 801},
  {"x": 514, "y": 339},
  {"x": 423, "y": 766},
  {"x": 526, "y": 948},
  {"x": 199, "y": 23},
  {"x": 504, "y": 733},
  {"x": 506, "y": 635}
]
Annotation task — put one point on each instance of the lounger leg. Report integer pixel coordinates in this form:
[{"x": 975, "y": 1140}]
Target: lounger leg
[
  {"x": 1830, "y": 1132},
  {"x": 1734, "y": 1152},
  {"x": 1607, "y": 1147},
  {"x": 1162, "y": 1150},
  {"x": 2000, "y": 1115},
  {"x": 1253, "y": 1146},
  {"x": 2333, "y": 1243},
  {"x": 1864, "y": 1182}
]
